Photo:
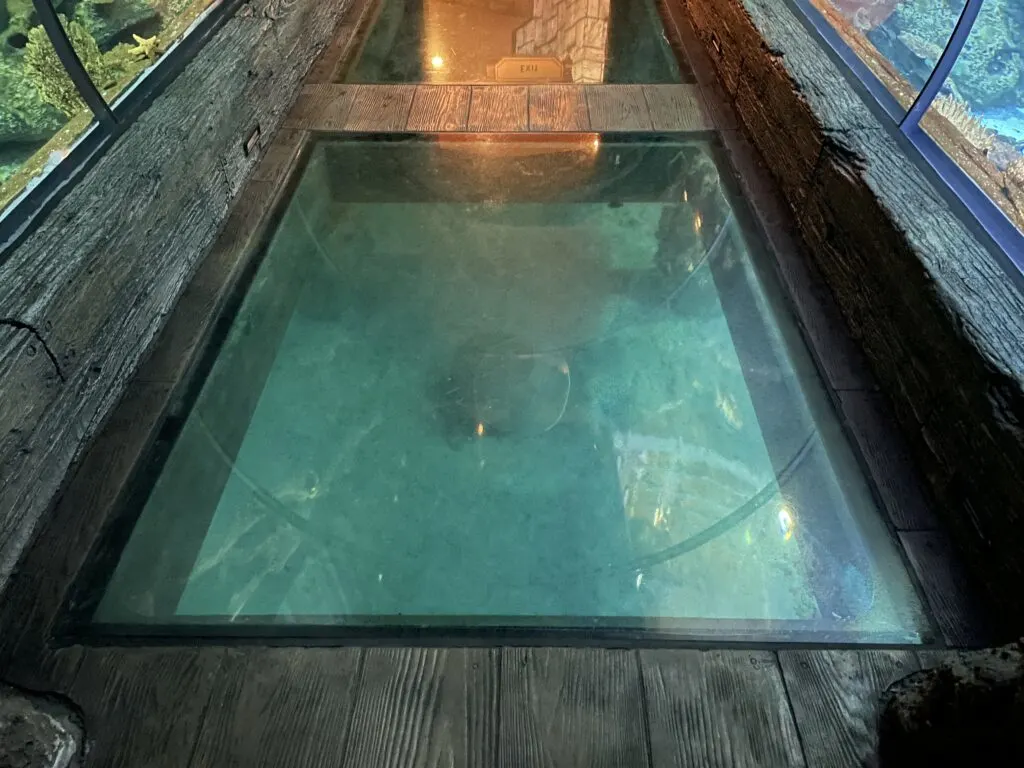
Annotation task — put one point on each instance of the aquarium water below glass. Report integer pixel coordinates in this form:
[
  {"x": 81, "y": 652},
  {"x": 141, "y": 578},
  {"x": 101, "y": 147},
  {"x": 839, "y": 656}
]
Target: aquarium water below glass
[{"x": 539, "y": 383}]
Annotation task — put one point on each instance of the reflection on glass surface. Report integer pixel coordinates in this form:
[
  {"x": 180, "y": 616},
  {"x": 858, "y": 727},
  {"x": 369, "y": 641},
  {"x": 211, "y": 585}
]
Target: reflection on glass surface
[
  {"x": 900, "y": 40},
  {"x": 978, "y": 119},
  {"x": 516, "y": 41},
  {"x": 538, "y": 383}
]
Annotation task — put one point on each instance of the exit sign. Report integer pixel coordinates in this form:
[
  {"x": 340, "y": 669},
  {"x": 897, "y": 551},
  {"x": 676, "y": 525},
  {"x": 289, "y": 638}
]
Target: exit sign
[{"x": 529, "y": 69}]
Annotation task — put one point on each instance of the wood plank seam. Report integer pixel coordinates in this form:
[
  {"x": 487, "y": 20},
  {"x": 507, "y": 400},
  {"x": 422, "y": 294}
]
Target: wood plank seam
[
  {"x": 645, "y": 709},
  {"x": 792, "y": 711},
  {"x": 356, "y": 690}
]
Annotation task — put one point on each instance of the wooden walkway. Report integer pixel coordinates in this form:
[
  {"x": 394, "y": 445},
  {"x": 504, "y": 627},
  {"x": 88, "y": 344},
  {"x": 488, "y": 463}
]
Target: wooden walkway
[
  {"x": 320, "y": 707},
  {"x": 331, "y": 107},
  {"x": 368, "y": 707}
]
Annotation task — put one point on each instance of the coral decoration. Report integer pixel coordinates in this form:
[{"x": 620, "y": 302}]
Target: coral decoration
[{"x": 866, "y": 14}]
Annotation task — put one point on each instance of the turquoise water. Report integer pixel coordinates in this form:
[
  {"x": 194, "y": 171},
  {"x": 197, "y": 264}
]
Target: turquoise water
[
  {"x": 988, "y": 78},
  {"x": 524, "y": 384}
]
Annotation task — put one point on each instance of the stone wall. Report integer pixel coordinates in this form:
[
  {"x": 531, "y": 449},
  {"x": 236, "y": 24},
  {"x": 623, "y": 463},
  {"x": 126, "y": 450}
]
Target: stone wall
[
  {"x": 568, "y": 29},
  {"x": 941, "y": 322},
  {"x": 84, "y": 297}
]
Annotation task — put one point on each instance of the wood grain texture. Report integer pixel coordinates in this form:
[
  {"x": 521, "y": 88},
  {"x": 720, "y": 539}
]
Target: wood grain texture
[
  {"x": 44, "y": 575},
  {"x": 835, "y": 697},
  {"x": 558, "y": 108},
  {"x": 618, "y": 108},
  {"x": 571, "y": 707},
  {"x": 195, "y": 313},
  {"x": 144, "y": 707},
  {"x": 815, "y": 75},
  {"x": 440, "y": 108},
  {"x": 499, "y": 108},
  {"x": 31, "y": 381},
  {"x": 280, "y": 707},
  {"x": 380, "y": 108},
  {"x": 322, "y": 107},
  {"x": 936, "y": 564},
  {"x": 421, "y": 707},
  {"x": 875, "y": 431},
  {"x": 677, "y": 108},
  {"x": 129, "y": 236},
  {"x": 718, "y": 708}
]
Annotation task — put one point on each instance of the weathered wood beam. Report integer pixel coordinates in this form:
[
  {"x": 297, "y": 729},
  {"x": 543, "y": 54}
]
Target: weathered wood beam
[{"x": 89, "y": 291}]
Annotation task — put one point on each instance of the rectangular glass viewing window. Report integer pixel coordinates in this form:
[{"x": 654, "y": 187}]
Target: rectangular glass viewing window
[
  {"x": 538, "y": 384},
  {"x": 516, "y": 42}
]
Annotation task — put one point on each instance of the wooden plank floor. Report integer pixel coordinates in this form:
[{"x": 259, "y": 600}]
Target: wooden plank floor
[
  {"x": 465, "y": 708},
  {"x": 329, "y": 107}
]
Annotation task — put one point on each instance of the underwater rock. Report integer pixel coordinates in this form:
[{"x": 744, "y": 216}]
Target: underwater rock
[
  {"x": 24, "y": 117},
  {"x": 16, "y": 16},
  {"x": 1003, "y": 153},
  {"x": 114, "y": 22},
  {"x": 990, "y": 71},
  {"x": 968, "y": 707},
  {"x": 36, "y": 733}
]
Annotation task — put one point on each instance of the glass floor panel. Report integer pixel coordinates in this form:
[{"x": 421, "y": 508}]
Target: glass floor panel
[
  {"x": 529, "y": 383},
  {"x": 516, "y": 42}
]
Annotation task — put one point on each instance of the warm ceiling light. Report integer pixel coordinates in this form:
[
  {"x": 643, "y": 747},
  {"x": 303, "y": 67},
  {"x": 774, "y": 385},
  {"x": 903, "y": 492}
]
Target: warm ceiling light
[{"x": 437, "y": 62}]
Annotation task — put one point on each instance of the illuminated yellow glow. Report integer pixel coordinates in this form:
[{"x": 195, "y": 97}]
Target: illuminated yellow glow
[
  {"x": 686, "y": 196},
  {"x": 787, "y": 522},
  {"x": 698, "y": 222},
  {"x": 480, "y": 429},
  {"x": 437, "y": 62}
]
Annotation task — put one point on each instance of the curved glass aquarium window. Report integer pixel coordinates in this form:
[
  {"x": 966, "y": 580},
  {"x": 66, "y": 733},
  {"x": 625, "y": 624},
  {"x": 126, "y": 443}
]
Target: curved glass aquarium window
[
  {"x": 978, "y": 118},
  {"x": 899, "y": 40},
  {"x": 134, "y": 34},
  {"x": 41, "y": 113}
]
